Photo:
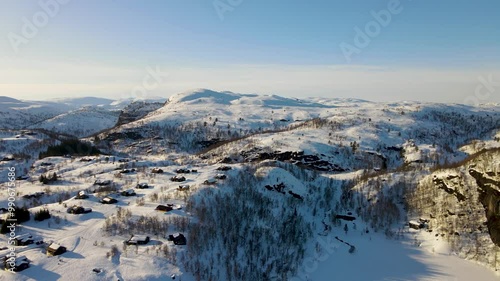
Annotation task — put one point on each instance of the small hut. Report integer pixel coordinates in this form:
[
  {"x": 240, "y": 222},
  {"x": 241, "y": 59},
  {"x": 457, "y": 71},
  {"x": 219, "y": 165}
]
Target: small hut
[
  {"x": 138, "y": 240},
  {"x": 178, "y": 239},
  {"x": 16, "y": 264},
  {"x": 55, "y": 249},
  {"x": 108, "y": 200},
  {"x": 163, "y": 208}
]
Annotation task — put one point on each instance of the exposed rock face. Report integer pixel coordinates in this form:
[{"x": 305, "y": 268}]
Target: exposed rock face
[
  {"x": 296, "y": 157},
  {"x": 319, "y": 162},
  {"x": 441, "y": 184},
  {"x": 489, "y": 196},
  {"x": 462, "y": 204},
  {"x": 125, "y": 135},
  {"x": 136, "y": 111},
  {"x": 208, "y": 143}
]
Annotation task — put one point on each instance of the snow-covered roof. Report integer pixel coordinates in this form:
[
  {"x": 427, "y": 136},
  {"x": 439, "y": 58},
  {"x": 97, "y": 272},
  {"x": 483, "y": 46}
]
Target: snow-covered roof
[
  {"x": 54, "y": 246},
  {"x": 139, "y": 238},
  {"x": 20, "y": 260},
  {"x": 178, "y": 234},
  {"x": 23, "y": 237}
]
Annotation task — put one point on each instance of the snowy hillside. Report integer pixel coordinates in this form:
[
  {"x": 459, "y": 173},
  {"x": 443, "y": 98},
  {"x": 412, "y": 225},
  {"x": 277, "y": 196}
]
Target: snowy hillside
[
  {"x": 137, "y": 110},
  {"x": 389, "y": 134},
  {"x": 260, "y": 187},
  {"x": 79, "y": 117},
  {"x": 206, "y": 106},
  {"x": 86, "y": 101},
  {"x": 80, "y": 122},
  {"x": 16, "y": 114}
]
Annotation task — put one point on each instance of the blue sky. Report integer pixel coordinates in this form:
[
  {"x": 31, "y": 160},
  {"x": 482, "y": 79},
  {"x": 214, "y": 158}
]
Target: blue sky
[{"x": 285, "y": 47}]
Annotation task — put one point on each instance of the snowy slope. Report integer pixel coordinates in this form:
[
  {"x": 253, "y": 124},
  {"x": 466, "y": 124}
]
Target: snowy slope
[
  {"x": 395, "y": 133},
  {"x": 325, "y": 258},
  {"x": 204, "y": 105},
  {"x": 104, "y": 103},
  {"x": 85, "y": 102},
  {"x": 20, "y": 114},
  {"x": 78, "y": 116},
  {"x": 81, "y": 122}
]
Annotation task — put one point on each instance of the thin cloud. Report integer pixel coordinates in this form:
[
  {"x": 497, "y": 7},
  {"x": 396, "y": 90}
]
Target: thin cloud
[{"x": 378, "y": 83}]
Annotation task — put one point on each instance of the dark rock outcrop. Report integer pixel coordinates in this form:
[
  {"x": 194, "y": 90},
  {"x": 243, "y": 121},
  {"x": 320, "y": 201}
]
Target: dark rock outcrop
[
  {"x": 277, "y": 187},
  {"x": 124, "y": 135},
  {"x": 208, "y": 143},
  {"x": 489, "y": 196},
  {"x": 296, "y": 157},
  {"x": 136, "y": 111},
  {"x": 441, "y": 184}
]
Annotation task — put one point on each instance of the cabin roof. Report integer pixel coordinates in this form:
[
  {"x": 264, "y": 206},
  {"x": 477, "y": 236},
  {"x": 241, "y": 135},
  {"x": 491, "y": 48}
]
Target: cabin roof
[
  {"x": 20, "y": 260},
  {"x": 139, "y": 238},
  {"x": 23, "y": 237},
  {"x": 54, "y": 246}
]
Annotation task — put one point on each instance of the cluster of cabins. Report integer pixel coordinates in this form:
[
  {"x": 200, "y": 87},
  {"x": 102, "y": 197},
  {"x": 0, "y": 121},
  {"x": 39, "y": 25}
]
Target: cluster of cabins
[
  {"x": 20, "y": 263},
  {"x": 130, "y": 192},
  {"x": 177, "y": 178},
  {"x": 211, "y": 181}
]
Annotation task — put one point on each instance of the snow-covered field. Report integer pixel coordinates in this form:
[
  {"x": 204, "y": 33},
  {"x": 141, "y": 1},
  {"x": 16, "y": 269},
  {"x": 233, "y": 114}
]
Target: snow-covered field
[{"x": 380, "y": 259}]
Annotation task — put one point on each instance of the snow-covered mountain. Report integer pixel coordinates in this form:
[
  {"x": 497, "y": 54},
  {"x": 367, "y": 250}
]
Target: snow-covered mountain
[
  {"x": 80, "y": 122},
  {"x": 79, "y": 117},
  {"x": 16, "y": 114},
  {"x": 262, "y": 188},
  {"x": 329, "y": 129},
  {"x": 85, "y": 102}
]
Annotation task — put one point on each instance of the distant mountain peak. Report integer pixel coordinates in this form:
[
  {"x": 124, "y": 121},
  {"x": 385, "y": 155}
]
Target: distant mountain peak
[
  {"x": 225, "y": 97},
  {"x": 84, "y": 101},
  {"x": 5, "y": 99}
]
